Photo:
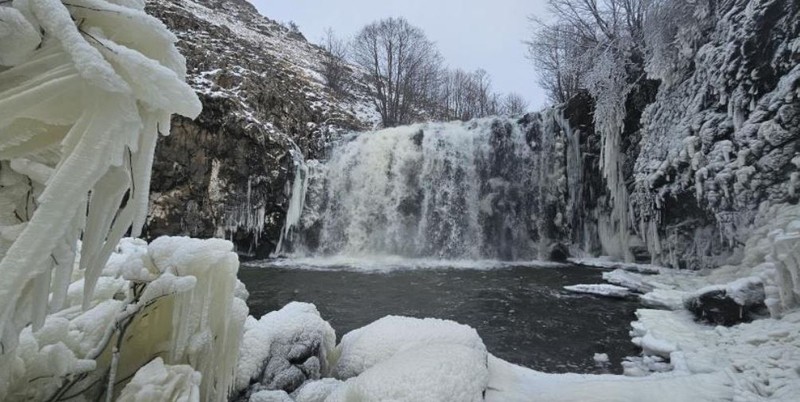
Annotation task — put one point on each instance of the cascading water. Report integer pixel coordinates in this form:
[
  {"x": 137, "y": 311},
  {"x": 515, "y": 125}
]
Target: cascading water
[{"x": 485, "y": 189}]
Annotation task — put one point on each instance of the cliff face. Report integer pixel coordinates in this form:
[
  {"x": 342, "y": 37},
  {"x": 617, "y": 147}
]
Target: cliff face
[
  {"x": 712, "y": 138},
  {"x": 264, "y": 104}
]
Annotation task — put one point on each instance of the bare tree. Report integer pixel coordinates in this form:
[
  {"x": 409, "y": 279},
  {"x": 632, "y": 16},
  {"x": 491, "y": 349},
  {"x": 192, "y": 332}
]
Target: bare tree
[
  {"x": 563, "y": 49},
  {"x": 557, "y": 51},
  {"x": 334, "y": 65},
  {"x": 401, "y": 65},
  {"x": 514, "y": 104}
]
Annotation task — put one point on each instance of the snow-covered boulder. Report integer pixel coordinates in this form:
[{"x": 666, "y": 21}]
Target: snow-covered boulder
[
  {"x": 429, "y": 372},
  {"x": 270, "y": 396},
  {"x": 365, "y": 347},
  {"x": 316, "y": 391},
  {"x": 283, "y": 349},
  {"x": 736, "y": 302}
]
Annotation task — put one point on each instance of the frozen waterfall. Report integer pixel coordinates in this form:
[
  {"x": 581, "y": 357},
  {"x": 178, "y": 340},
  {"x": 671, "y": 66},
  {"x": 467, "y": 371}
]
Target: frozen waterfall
[{"x": 477, "y": 190}]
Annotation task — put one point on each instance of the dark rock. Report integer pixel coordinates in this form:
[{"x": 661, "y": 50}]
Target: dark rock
[
  {"x": 225, "y": 174},
  {"x": 717, "y": 307},
  {"x": 558, "y": 252}
]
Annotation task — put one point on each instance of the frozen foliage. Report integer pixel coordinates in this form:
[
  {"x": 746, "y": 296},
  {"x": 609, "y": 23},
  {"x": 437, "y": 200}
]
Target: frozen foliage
[
  {"x": 157, "y": 381},
  {"x": 207, "y": 318},
  {"x": 368, "y": 346},
  {"x": 284, "y": 348},
  {"x": 82, "y": 106},
  {"x": 132, "y": 321}
]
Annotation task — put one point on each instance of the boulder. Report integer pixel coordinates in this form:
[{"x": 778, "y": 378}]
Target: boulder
[
  {"x": 558, "y": 252},
  {"x": 283, "y": 350},
  {"x": 731, "y": 304}
]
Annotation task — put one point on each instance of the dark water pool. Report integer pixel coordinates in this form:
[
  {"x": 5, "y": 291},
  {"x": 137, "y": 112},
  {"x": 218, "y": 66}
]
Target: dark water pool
[{"x": 521, "y": 312}]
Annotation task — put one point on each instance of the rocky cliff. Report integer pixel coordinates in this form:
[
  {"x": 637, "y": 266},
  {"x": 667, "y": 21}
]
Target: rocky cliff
[
  {"x": 711, "y": 137},
  {"x": 225, "y": 174}
]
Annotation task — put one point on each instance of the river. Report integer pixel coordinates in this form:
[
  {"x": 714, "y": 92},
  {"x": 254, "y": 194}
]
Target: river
[{"x": 519, "y": 309}]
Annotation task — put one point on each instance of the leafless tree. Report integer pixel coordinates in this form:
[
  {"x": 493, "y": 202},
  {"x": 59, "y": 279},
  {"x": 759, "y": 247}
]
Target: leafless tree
[
  {"x": 563, "y": 48},
  {"x": 514, "y": 104},
  {"x": 334, "y": 64},
  {"x": 401, "y": 65}
]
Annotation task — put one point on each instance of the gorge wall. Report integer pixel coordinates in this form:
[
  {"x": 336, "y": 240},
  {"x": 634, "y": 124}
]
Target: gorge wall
[
  {"x": 265, "y": 104},
  {"x": 700, "y": 144}
]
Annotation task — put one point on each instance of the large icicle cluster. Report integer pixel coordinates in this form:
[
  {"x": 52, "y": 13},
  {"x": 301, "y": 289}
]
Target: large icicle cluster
[
  {"x": 85, "y": 89},
  {"x": 176, "y": 299},
  {"x": 79, "y": 116}
]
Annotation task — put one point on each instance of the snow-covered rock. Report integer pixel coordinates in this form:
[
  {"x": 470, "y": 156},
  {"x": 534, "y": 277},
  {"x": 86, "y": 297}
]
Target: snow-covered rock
[
  {"x": 425, "y": 372},
  {"x": 316, "y": 391},
  {"x": 265, "y": 103},
  {"x": 728, "y": 304},
  {"x": 365, "y": 347},
  {"x": 284, "y": 349}
]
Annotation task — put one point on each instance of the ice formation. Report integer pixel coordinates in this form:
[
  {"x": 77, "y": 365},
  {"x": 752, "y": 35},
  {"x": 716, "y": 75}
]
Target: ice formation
[
  {"x": 152, "y": 302},
  {"x": 157, "y": 381},
  {"x": 85, "y": 89}
]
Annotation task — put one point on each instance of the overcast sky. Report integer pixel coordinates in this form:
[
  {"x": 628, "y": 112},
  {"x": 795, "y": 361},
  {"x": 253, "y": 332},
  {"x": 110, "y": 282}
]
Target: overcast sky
[{"x": 470, "y": 34}]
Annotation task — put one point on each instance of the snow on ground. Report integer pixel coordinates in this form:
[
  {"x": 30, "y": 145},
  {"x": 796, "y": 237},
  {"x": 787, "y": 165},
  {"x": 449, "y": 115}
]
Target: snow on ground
[
  {"x": 750, "y": 361},
  {"x": 512, "y": 383},
  {"x": 600, "y": 290}
]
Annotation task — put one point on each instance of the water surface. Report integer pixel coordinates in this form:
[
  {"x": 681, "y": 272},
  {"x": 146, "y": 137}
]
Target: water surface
[{"x": 520, "y": 310}]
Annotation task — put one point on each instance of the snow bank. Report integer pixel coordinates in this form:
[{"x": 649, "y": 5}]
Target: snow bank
[
  {"x": 432, "y": 372},
  {"x": 157, "y": 381},
  {"x": 365, "y": 347},
  {"x": 274, "y": 346},
  {"x": 511, "y": 383},
  {"x": 316, "y": 391},
  {"x": 600, "y": 290},
  {"x": 270, "y": 396}
]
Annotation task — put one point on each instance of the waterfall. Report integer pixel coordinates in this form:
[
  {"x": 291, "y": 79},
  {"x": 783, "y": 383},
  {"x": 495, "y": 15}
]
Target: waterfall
[{"x": 485, "y": 189}]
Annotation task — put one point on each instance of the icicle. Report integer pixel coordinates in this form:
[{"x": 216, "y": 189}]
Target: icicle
[{"x": 71, "y": 123}]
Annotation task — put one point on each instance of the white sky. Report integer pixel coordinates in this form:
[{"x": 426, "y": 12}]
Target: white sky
[{"x": 470, "y": 34}]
